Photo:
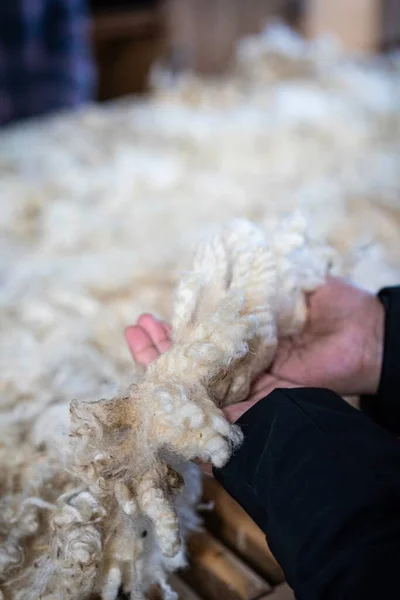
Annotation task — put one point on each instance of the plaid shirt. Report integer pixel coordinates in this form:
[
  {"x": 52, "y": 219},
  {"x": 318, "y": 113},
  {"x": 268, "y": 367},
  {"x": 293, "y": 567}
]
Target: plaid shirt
[{"x": 45, "y": 57}]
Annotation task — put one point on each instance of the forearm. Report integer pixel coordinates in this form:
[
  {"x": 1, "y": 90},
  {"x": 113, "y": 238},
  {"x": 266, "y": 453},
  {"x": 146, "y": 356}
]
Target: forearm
[{"x": 317, "y": 476}]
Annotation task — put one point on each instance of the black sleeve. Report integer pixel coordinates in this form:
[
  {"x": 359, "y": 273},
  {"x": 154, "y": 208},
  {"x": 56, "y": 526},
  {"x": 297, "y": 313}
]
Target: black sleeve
[
  {"x": 322, "y": 480},
  {"x": 384, "y": 408}
]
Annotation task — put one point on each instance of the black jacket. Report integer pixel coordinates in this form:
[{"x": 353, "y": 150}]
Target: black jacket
[{"x": 322, "y": 480}]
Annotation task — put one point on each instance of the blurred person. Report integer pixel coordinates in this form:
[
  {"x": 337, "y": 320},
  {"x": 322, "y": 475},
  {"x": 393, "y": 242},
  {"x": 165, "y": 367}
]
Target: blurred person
[
  {"x": 45, "y": 57},
  {"x": 319, "y": 477}
]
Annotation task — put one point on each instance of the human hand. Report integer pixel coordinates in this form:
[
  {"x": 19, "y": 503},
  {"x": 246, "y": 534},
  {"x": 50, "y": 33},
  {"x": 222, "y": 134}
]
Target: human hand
[
  {"x": 150, "y": 337},
  {"x": 341, "y": 346}
]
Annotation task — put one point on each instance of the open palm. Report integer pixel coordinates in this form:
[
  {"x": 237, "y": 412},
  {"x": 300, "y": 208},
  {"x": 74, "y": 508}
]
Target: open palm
[
  {"x": 150, "y": 337},
  {"x": 340, "y": 347}
]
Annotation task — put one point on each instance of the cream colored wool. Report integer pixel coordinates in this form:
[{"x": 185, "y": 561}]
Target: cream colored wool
[
  {"x": 122, "y": 526},
  {"x": 243, "y": 293},
  {"x": 89, "y": 548},
  {"x": 99, "y": 209}
]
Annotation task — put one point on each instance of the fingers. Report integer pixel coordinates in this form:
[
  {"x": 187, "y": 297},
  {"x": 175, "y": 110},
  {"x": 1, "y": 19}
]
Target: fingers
[
  {"x": 159, "y": 332},
  {"x": 148, "y": 339},
  {"x": 141, "y": 345}
]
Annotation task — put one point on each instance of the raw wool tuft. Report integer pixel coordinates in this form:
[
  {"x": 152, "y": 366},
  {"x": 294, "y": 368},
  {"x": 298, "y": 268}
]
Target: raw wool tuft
[
  {"x": 243, "y": 292},
  {"x": 68, "y": 547},
  {"x": 85, "y": 247}
]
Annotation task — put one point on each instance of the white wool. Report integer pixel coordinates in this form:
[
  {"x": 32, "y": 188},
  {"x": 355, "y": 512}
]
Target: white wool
[
  {"x": 100, "y": 208},
  {"x": 244, "y": 291}
]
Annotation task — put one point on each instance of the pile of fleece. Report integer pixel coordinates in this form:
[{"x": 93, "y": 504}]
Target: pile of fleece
[{"x": 100, "y": 209}]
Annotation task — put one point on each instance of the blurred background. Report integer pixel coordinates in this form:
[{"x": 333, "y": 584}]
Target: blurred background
[
  {"x": 132, "y": 128},
  {"x": 57, "y": 53}
]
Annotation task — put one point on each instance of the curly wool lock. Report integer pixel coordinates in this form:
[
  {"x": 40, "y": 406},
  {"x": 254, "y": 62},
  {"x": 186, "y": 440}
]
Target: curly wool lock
[
  {"x": 131, "y": 454},
  {"x": 242, "y": 293}
]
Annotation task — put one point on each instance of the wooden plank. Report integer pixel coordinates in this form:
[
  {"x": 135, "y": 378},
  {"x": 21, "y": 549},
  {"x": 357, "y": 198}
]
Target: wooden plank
[
  {"x": 217, "y": 573},
  {"x": 356, "y": 23},
  {"x": 255, "y": 14},
  {"x": 236, "y": 529},
  {"x": 183, "y": 590},
  {"x": 131, "y": 23},
  {"x": 203, "y": 33},
  {"x": 391, "y": 24},
  {"x": 282, "y": 592},
  {"x": 180, "y": 33},
  {"x": 125, "y": 44}
]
